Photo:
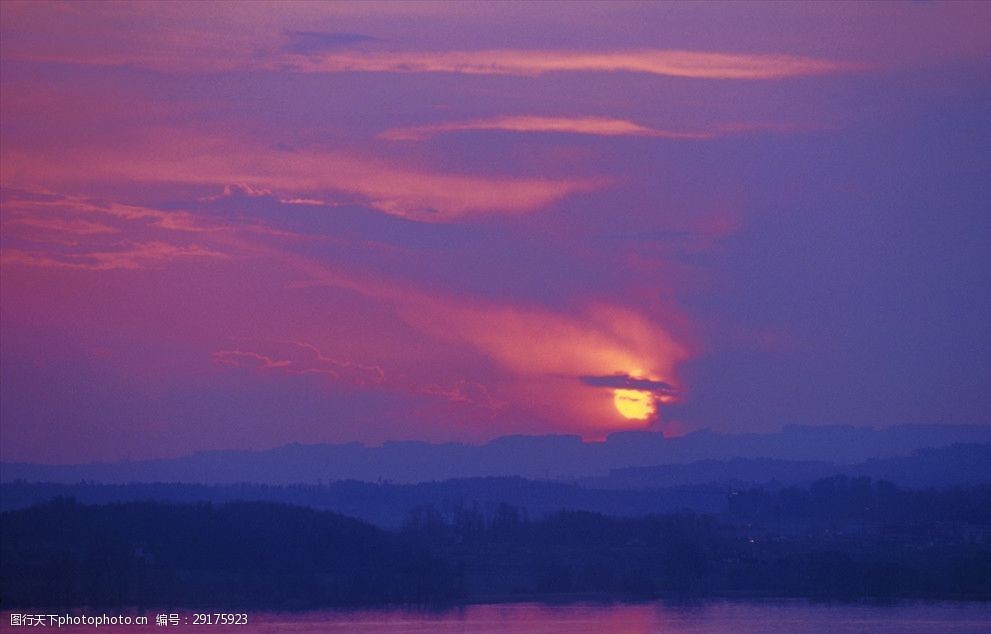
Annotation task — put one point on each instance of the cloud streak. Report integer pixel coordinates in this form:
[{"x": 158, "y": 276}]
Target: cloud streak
[
  {"x": 669, "y": 63},
  {"x": 627, "y": 382},
  {"x": 136, "y": 256},
  {"x": 540, "y": 353},
  {"x": 297, "y": 358},
  {"x": 407, "y": 191},
  {"x": 547, "y": 352},
  {"x": 595, "y": 126}
]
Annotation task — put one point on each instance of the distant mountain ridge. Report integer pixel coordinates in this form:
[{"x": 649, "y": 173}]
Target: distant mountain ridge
[
  {"x": 932, "y": 467},
  {"x": 542, "y": 457},
  {"x": 702, "y": 487}
]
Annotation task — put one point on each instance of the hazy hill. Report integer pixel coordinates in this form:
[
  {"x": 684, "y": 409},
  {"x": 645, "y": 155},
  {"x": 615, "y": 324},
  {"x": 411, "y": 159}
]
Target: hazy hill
[
  {"x": 701, "y": 487},
  {"x": 544, "y": 457},
  {"x": 934, "y": 467}
]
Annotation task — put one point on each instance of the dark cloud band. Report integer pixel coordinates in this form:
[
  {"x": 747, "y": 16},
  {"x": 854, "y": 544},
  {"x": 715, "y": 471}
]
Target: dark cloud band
[{"x": 624, "y": 381}]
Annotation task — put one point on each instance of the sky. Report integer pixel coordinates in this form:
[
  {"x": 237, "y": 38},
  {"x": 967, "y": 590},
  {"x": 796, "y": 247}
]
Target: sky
[{"x": 235, "y": 226}]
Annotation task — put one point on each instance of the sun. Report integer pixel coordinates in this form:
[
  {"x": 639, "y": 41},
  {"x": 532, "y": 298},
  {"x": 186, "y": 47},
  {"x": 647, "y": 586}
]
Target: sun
[{"x": 634, "y": 404}]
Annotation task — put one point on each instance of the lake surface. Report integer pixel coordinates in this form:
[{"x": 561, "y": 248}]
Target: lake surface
[{"x": 717, "y": 616}]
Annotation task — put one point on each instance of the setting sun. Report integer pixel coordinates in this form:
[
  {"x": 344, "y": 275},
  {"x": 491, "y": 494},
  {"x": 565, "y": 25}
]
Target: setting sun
[{"x": 634, "y": 404}]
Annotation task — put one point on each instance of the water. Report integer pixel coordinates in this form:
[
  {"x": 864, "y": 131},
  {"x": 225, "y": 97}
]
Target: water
[{"x": 738, "y": 617}]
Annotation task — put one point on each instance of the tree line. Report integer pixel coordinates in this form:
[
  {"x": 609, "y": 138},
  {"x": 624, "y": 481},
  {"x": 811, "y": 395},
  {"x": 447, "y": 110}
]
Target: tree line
[{"x": 839, "y": 538}]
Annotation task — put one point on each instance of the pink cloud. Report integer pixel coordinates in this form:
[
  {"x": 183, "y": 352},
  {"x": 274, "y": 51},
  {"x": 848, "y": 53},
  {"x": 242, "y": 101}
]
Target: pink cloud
[
  {"x": 298, "y": 358},
  {"x": 135, "y": 256},
  {"x": 58, "y": 225},
  {"x": 702, "y": 65},
  {"x": 539, "y": 353},
  {"x": 37, "y": 207},
  {"x": 465, "y": 392},
  {"x": 411, "y": 192},
  {"x": 212, "y": 37},
  {"x": 596, "y": 126},
  {"x": 544, "y": 351}
]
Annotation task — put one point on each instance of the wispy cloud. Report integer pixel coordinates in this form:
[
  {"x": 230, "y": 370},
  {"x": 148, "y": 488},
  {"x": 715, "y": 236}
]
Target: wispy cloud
[
  {"x": 596, "y": 126},
  {"x": 539, "y": 353},
  {"x": 672, "y": 63},
  {"x": 136, "y": 256},
  {"x": 208, "y": 41},
  {"x": 465, "y": 393},
  {"x": 52, "y": 230},
  {"x": 313, "y": 52},
  {"x": 547, "y": 352},
  {"x": 71, "y": 213},
  {"x": 627, "y": 382},
  {"x": 74, "y": 225},
  {"x": 408, "y": 191},
  {"x": 596, "y": 340},
  {"x": 299, "y": 358}
]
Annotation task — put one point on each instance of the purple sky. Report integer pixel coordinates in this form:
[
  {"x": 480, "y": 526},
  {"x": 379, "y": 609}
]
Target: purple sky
[{"x": 242, "y": 225}]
